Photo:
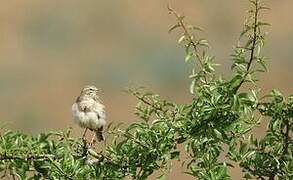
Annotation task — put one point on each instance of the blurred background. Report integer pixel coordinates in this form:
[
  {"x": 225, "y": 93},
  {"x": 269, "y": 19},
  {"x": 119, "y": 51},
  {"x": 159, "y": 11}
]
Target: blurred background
[{"x": 50, "y": 49}]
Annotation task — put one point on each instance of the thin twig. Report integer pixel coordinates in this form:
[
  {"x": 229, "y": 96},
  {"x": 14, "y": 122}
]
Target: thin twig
[
  {"x": 157, "y": 108},
  {"x": 252, "y": 49},
  {"x": 4, "y": 157},
  {"x": 190, "y": 39}
]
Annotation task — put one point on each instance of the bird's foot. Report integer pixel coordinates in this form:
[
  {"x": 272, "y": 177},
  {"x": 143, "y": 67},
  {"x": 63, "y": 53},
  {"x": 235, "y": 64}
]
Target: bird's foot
[{"x": 93, "y": 141}]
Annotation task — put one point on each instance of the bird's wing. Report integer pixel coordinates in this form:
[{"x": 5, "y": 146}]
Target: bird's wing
[
  {"x": 99, "y": 134},
  {"x": 100, "y": 110}
]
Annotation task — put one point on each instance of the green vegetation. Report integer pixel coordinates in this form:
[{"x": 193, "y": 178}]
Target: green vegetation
[{"x": 217, "y": 122}]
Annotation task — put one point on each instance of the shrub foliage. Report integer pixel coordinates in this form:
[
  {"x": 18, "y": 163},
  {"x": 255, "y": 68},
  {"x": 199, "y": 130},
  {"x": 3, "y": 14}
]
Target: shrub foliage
[{"x": 217, "y": 122}]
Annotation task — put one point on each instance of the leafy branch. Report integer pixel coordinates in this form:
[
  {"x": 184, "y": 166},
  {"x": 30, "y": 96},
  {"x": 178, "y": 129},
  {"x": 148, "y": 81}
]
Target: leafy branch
[
  {"x": 217, "y": 117},
  {"x": 255, "y": 41}
]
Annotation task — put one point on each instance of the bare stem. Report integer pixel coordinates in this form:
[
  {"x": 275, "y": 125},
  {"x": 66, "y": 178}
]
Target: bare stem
[{"x": 252, "y": 49}]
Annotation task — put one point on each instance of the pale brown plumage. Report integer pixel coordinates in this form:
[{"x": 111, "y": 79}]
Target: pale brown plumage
[{"x": 89, "y": 112}]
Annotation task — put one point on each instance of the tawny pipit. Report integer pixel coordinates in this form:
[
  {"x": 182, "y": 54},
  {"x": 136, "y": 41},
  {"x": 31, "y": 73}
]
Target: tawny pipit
[{"x": 89, "y": 112}]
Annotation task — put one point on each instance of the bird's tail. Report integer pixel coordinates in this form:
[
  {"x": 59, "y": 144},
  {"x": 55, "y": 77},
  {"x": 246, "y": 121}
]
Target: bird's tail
[{"x": 100, "y": 135}]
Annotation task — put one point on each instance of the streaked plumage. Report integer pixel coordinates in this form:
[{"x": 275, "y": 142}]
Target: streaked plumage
[{"x": 89, "y": 112}]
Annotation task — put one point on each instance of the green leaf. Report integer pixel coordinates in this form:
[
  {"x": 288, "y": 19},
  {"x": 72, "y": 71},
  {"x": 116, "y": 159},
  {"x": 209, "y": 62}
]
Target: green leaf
[
  {"x": 243, "y": 148},
  {"x": 192, "y": 86},
  {"x": 203, "y": 42},
  {"x": 247, "y": 176},
  {"x": 247, "y": 28},
  {"x": 218, "y": 134},
  {"x": 188, "y": 56},
  {"x": 274, "y": 93},
  {"x": 261, "y": 62},
  {"x": 235, "y": 82},
  {"x": 275, "y": 125},
  {"x": 175, "y": 154},
  {"x": 193, "y": 28},
  {"x": 174, "y": 27},
  {"x": 236, "y": 103},
  {"x": 161, "y": 177},
  {"x": 182, "y": 38},
  {"x": 263, "y": 24}
]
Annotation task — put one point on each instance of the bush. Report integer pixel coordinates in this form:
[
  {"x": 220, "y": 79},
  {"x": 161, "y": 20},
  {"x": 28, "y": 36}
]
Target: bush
[{"x": 218, "y": 121}]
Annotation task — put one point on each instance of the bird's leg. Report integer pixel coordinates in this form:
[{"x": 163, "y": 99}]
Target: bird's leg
[
  {"x": 84, "y": 141},
  {"x": 84, "y": 133},
  {"x": 93, "y": 141}
]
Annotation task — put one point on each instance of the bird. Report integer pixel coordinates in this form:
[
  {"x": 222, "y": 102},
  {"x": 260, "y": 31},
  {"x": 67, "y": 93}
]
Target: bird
[{"x": 89, "y": 112}]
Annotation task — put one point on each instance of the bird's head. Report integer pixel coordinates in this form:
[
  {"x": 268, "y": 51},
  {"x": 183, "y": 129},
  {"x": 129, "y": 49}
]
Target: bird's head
[{"x": 90, "y": 90}]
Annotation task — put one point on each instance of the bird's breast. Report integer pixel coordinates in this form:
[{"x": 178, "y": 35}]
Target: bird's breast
[{"x": 92, "y": 117}]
